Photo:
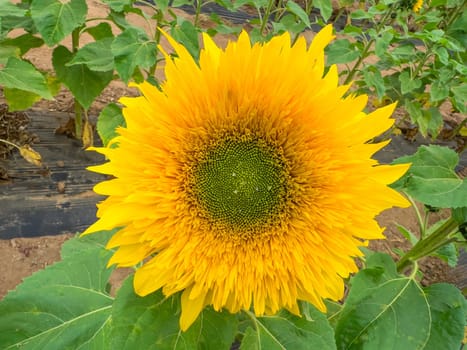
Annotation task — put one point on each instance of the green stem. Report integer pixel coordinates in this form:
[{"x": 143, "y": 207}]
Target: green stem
[
  {"x": 429, "y": 244},
  {"x": 78, "y": 107},
  {"x": 265, "y": 17},
  {"x": 197, "y": 12}
]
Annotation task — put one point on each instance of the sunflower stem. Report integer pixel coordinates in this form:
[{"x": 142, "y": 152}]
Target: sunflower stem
[
  {"x": 430, "y": 244},
  {"x": 197, "y": 12},
  {"x": 265, "y": 17},
  {"x": 78, "y": 107}
]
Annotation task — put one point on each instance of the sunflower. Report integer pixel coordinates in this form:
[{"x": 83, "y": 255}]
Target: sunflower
[
  {"x": 417, "y": 5},
  {"x": 246, "y": 180}
]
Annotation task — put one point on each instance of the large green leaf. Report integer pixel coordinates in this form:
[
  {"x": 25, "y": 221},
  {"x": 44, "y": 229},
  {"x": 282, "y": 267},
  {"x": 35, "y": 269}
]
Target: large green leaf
[
  {"x": 84, "y": 83},
  {"x": 65, "y": 306},
  {"x": 24, "y": 42},
  {"x": 298, "y": 11},
  {"x": 187, "y": 34},
  {"x": 448, "y": 313},
  {"x": 19, "y": 100},
  {"x": 109, "y": 119},
  {"x": 152, "y": 322},
  {"x": 21, "y": 75},
  {"x": 132, "y": 49},
  {"x": 8, "y": 8},
  {"x": 431, "y": 179},
  {"x": 56, "y": 19},
  {"x": 286, "y": 331},
  {"x": 341, "y": 51},
  {"x": 385, "y": 310},
  {"x": 97, "y": 56},
  {"x": 8, "y": 51},
  {"x": 325, "y": 8}
]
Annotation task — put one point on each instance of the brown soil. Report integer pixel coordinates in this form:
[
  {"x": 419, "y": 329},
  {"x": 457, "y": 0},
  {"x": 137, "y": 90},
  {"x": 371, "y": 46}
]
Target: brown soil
[{"x": 20, "y": 257}]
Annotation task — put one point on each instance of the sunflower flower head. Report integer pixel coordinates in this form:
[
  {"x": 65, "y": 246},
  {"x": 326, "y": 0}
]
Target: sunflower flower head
[
  {"x": 246, "y": 181},
  {"x": 417, "y": 5}
]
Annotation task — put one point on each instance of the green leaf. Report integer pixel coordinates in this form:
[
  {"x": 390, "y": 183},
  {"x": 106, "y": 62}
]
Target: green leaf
[
  {"x": 56, "y": 19},
  {"x": 288, "y": 23},
  {"x": 325, "y": 8},
  {"x": 432, "y": 122},
  {"x": 64, "y": 306},
  {"x": 299, "y": 12},
  {"x": 341, "y": 51},
  {"x": 333, "y": 311},
  {"x": 385, "y": 310},
  {"x": 360, "y": 14},
  {"x": 373, "y": 78},
  {"x": 8, "y": 8},
  {"x": 460, "y": 215},
  {"x": 84, "y": 84},
  {"x": 408, "y": 84},
  {"x": 101, "y": 31},
  {"x": 382, "y": 43},
  {"x": 109, "y": 120},
  {"x": 132, "y": 49},
  {"x": 21, "y": 75},
  {"x": 19, "y": 99},
  {"x": 117, "y": 5},
  {"x": 448, "y": 310},
  {"x": 7, "y": 52},
  {"x": 442, "y": 54},
  {"x": 152, "y": 322},
  {"x": 448, "y": 253},
  {"x": 187, "y": 34},
  {"x": 287, "y": 331},
  {"x": 439, "y": 91},
  {"x": 97, "y": 56},
  {"x": 162, "y": 4},
  {"x": 24, "y": 42},
  {"x": 431, "y": 179},
  {"x": 409, "y": 235},
  {"x": 82, "y": 244},
  {"x": 460, "y": 95}
]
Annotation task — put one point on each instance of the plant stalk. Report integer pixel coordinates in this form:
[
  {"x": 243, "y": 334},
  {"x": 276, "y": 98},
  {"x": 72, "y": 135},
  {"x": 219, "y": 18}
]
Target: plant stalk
[
  {"x": 429, "y": 244},
  {"x": 265, "y": 18},
  {"x": 78, "y": 107}
]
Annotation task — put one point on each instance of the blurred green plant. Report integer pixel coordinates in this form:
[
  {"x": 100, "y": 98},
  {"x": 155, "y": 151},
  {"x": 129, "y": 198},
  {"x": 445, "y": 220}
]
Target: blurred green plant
[{"x": 418, "y": 58}]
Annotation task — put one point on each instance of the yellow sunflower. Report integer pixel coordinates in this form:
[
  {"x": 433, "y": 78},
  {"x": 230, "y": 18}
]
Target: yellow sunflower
[
  {"x": 246, "y": 181},
  {"x": 417, "y": 5}
]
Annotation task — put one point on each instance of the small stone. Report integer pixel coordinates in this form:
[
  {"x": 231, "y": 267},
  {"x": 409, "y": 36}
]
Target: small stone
[{"x": 61, "y": 186}]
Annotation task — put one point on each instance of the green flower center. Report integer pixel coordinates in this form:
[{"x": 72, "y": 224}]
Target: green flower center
[{"x": 241, "y": 184}]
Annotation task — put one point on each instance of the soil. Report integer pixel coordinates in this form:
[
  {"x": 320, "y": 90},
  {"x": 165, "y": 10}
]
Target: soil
[{"x": 20, "y": 257}]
